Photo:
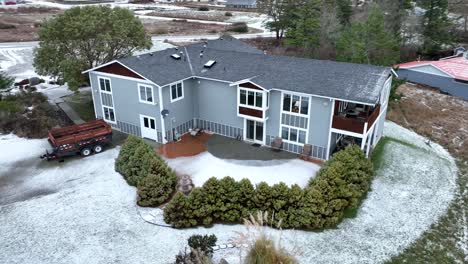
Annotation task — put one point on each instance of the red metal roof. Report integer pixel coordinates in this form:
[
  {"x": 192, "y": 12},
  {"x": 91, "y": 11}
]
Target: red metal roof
[{"x": 455, "y": 67}]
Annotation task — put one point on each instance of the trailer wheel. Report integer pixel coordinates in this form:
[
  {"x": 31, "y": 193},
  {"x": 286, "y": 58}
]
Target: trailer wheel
[
  {"x": 97, "y": 149},
  {"x": 85, "y": 152}
]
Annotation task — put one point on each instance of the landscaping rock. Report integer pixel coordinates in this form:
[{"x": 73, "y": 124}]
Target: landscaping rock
[{"x": 185, "y": 184}]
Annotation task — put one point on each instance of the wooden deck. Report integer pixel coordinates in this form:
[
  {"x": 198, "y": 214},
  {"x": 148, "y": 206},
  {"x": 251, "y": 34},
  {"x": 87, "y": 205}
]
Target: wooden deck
[{"x": 186, "y": 147}]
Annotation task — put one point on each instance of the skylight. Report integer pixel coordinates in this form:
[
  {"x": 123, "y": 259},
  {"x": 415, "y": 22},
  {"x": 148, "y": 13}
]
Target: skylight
[
  {"x": 175, "y": 56},
  {"x": 210, "y": 64}
]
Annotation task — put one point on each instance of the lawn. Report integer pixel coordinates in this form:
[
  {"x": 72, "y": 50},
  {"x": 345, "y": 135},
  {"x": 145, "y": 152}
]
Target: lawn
[
  {"x": 82, "y": 103},
  {"x": 83, "y": 211}
]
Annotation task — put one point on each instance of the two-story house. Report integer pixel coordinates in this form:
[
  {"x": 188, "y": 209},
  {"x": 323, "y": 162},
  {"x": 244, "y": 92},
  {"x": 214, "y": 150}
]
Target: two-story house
[{"x": 232, "y": 89}]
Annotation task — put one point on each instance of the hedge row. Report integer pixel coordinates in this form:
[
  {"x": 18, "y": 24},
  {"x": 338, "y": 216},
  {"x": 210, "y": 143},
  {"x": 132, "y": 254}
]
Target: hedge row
[
  {"x": 339, "y": 185},
  {"x": 141, "y": 166}
]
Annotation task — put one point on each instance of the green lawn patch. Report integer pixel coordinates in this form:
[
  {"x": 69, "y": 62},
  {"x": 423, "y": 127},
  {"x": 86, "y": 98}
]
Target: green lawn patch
[{"x": 82, "y": 103}]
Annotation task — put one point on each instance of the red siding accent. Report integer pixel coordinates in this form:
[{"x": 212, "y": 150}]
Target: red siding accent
[
  {"x": 250, "y": 112},
  {"x": 250, "y": 85},
  {"x": 117, "y": 69}
]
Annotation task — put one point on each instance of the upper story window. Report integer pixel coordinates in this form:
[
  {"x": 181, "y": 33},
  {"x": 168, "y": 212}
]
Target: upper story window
[
  {"x": 295, "y": 104},
  {"x": 146, "y": 94},
  {"x": 177, "y": 91},
  {"x": 105, "y": 85},
  {"x": 251, "y": 98}
]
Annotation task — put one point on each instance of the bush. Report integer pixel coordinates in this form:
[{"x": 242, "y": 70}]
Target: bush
[
  {"x": 394, "y": 95},
  {"x": 340, "y": 185},
  {"x": 142, "y": 167},
  {"x": 29, "y": 114},
  {"x": 158, "y": 186},
  {"x": 203, "y": 243},
  {"x": 203, "y": 8},
  {"x": 201, "y": 250},
  {"x": 7, "y": 26},
  {"x": 228, "y": 14},
  {"x": 129, "y": 161},
  {"x": 265, "y": 251},
  {"x": 239, "y": 27}
]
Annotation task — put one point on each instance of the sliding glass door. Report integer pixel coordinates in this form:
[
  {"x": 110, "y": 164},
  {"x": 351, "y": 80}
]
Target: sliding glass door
[{"x": 254, "y": 131}]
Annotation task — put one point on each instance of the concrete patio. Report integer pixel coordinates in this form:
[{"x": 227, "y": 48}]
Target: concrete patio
[{"x": 221, "y": 147}]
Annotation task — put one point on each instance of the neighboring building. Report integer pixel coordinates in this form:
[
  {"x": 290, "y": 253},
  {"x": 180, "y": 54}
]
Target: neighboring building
[
  {"x": 232, "y": 89},
  {"x": 241, "y": 3},
  {"x": 450, "y": 75}
]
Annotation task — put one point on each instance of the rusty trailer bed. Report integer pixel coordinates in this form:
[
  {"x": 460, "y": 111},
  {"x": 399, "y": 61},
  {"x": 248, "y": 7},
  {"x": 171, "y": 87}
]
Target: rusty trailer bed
[{"x": 77, "y": 133}]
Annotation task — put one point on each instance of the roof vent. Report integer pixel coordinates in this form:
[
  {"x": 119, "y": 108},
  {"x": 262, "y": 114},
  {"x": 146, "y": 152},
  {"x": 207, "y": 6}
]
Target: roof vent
[
  {"x": 175, "y": 56},
  {"x": 210, "y": 64},
  {"x": 201, "y": 54}
]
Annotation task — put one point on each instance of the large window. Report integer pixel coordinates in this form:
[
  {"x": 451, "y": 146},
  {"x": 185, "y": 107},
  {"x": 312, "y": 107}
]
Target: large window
[
  {"x": 177, "y": 91},
  {"x": 293, "y": 135},
  {"x": 109, "y": 114},
  {"x": 105, "y": 85},
  {"x": 251, "y": 98},
  {"x": 146, "y": 94},
  {"x": 295, "y": 104}
]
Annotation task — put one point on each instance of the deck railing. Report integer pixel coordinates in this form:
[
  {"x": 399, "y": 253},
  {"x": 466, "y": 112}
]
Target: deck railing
[{"x": 354, "y": 124}]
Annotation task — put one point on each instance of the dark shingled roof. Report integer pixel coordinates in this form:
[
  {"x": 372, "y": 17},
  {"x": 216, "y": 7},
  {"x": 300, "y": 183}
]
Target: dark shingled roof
[{"x": 236, "y": 61}]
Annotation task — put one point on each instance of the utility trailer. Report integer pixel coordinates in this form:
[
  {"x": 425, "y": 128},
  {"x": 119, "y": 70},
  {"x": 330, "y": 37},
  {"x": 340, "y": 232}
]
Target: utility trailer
[{"x": 84, "y": 139}]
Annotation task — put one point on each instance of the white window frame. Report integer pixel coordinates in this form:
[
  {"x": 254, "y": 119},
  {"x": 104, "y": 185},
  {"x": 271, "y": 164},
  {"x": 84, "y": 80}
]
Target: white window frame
[
  {"x": 99, "y": 84},
  {"x": 104, "y": 114},
  {"x": 170, "y": 91},
  {"x": 139, "y": 93},
  {"x": 283, "y": 94},
  {"x": 289, "y": 135},
  {"x": 247, "y": 90}
]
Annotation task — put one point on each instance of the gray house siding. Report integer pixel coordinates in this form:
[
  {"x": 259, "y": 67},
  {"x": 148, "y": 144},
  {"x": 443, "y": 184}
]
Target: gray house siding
[
  {"x": 217, "y": 102},
  {"x": 319, "y": 130},
  {"x": 181, "y": 112},
  {"x": 216, "y": 108},
  {"x": 445, "y": 84},
  {"x": 211, "y": 105},
  {"x": 273, "y": 123},
  {"x": 126, "y": 104}
]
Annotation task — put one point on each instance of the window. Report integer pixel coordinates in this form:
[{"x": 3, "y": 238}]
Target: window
[
  {"x": 293, "y": 135},
  {"x": 250, "y": 98},
  {"x": 243, "y": 97},
  {"x": 104, "y": 85},
  {"x": 146, "y": 94},
  {"x": 177, "y": 91},
  {"x": 296, "y": 104},
  {"x": 109, "y": 114}
]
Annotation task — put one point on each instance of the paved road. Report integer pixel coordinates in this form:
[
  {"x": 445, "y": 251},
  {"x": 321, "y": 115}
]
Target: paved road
[{"x": 32, "y": 44}]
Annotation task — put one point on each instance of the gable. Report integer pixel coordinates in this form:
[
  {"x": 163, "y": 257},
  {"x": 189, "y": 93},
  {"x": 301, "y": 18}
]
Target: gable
[
  {"x": 430, "y": 70},
  {"x": 250, "y": 85},
  {"x": 118, "y": 69}
]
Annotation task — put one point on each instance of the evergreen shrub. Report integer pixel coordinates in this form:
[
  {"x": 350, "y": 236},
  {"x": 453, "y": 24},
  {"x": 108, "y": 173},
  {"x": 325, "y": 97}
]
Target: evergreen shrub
[
  {"x": 142, "y": 167},
  {"x": 339, "y": 185}
]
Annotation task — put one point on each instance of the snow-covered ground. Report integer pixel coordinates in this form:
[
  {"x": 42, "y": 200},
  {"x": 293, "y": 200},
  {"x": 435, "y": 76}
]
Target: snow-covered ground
[
  {"x": 205, "y": 165},
  {"x": 83, "y": 211}
]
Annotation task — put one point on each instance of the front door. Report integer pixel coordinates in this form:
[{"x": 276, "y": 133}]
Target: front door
[
  {"x": 254, "y": 131},
  {"x": 148, "y": 127}
]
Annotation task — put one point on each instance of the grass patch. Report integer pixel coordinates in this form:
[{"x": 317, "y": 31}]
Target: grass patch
[
  {"x": 378, "y": 153},
  {"x": 441, "y": 243},
  {"x": 82, "y": 103}
]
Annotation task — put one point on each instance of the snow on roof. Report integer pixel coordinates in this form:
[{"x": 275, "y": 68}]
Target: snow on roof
[{"x": 456, "y": 67}]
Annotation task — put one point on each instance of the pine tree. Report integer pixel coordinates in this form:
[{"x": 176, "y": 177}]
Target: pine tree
[
  {"x": 344, "y": 11},
  {"x": 436, "y": 25},
  {"x": 305, "y": 27},
  {"x": 5, "y": 80},
  {"x": 368, "y": 42}
]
